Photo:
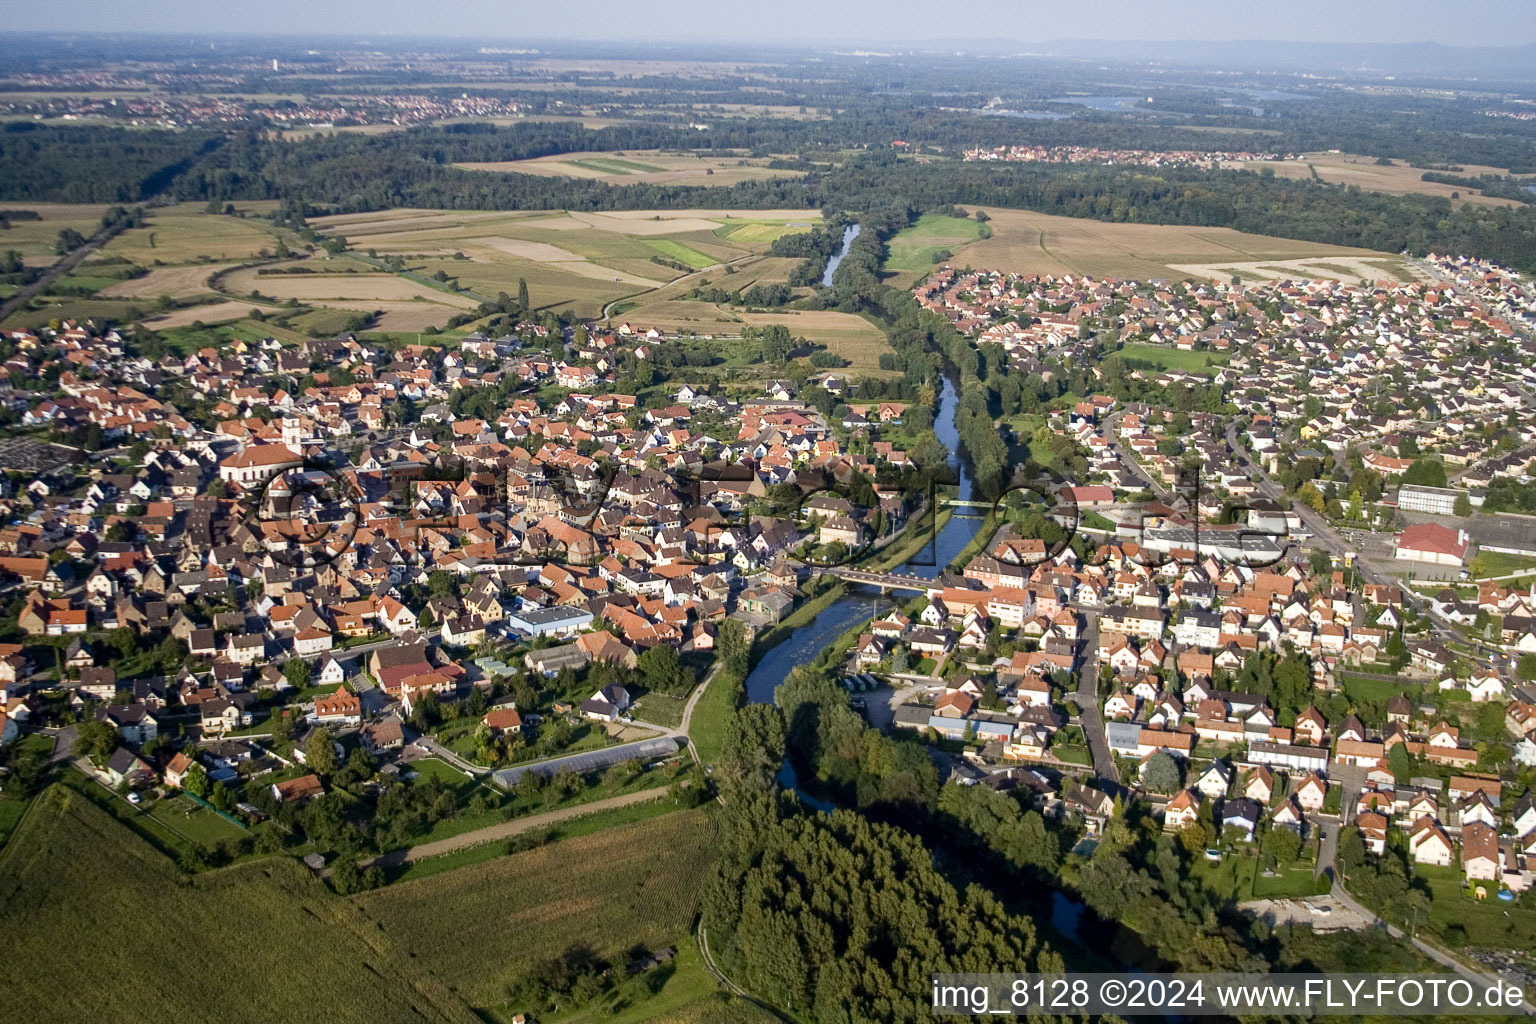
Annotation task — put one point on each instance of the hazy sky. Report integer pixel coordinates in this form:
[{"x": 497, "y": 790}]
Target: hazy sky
[{"x": 1489, "y": 22}]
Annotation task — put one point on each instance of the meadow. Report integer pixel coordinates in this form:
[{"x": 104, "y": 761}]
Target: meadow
[
  {"x": 258, "y": 942},
  {"x": 915, "y": 248},
  {"x": 611, "y": 890}
]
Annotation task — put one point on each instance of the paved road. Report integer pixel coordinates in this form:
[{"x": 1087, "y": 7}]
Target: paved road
[
  {"x": 508, "y": 829},
  {"x": 1087, "y": 700},
  {"x": 1128, "y": 458}
]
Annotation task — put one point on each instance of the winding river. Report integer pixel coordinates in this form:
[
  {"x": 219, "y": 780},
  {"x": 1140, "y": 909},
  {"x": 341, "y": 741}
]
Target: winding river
[{"x": 860, "y": 603}]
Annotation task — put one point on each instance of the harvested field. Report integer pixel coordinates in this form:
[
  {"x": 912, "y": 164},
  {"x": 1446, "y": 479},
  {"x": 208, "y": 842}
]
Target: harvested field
[
  {"x": 640, "y": 166},
  {"x": 660, "y": 225},
  {"x": 325, "y": 288},
  {"x": 1025, "y": 242},
  {"x": 1343, "y": 268},
  {"x": 177, "y": 282},
  {"x": 611, "y": 890},
  {"x": 1352, "y": 169},
  {"x": 218, "y": 312}
]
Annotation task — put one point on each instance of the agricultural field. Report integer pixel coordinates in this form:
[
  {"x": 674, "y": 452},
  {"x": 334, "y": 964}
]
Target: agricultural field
[
  {"x": 177, "y": 282},
  {"x": 1024, "y": 242},
  {"x": 611, "y": 890},
  {"x": 575, "y": 261},
  {"x": 262, "y": 941},
  {"x": 218, "y": 312},
  {"x": 914, "y": 248},
  {"x": 174, "y": 235},
  {"x": 1363, "y": 171},
  {"x": 641, "y": 167}
]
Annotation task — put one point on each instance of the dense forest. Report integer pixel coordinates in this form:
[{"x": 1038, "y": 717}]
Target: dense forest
[{"x": 89, "y": 164}]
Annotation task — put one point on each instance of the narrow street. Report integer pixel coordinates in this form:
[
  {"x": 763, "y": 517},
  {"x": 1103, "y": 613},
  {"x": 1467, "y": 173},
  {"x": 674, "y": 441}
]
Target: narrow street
[{"x": 1087, "y": 700}]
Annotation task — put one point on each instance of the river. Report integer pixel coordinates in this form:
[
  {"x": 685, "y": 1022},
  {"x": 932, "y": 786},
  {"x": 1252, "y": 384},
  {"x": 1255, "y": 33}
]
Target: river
[
  {"x": 861, "y": 603},
  {"x": 849, "y": 234}
]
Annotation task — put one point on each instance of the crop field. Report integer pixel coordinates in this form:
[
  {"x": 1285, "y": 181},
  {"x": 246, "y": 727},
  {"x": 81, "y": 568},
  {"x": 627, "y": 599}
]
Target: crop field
[
  {"x": 177, "y": 282},
  {"x": 260, "y": 942},
  {"x": 641, "y": 166},
  {"x": 678, "y": 251},
  {"x": 571, "y": 261},
  {"x": 65, "y": 306},
  {"x": 218, "y": 312},
  {"x": 914, "y": 248},
  {"x": 611, "y": 890},
  {"x": 321, "y": 287},
  {"x": 1352, "y": 169},
  {"x": 1024, "y": 242}
]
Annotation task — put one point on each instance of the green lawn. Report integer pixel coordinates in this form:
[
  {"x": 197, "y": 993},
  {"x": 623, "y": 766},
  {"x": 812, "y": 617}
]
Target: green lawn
[
  {"x": 186, "y": 817},
  {"x": 679, "y": 992},
  {"x": 1456, "y": 914},
  {"x": 1071, "y": 753},
  {"x": 682, "y": 253},
  {"x": 1232, "y": 876},
  {"x": 1292, "y": 884},
  {"x": 1379, "y": 690},
  {"x": 914, "y": 248},
  {"x": 1171, "y": 358},
  {"x": 712, "y": 713},
  {"x": 570, "y": 828},
  {"x": 1497, "y": 563},
  {"x": 482, "y": 928}
]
